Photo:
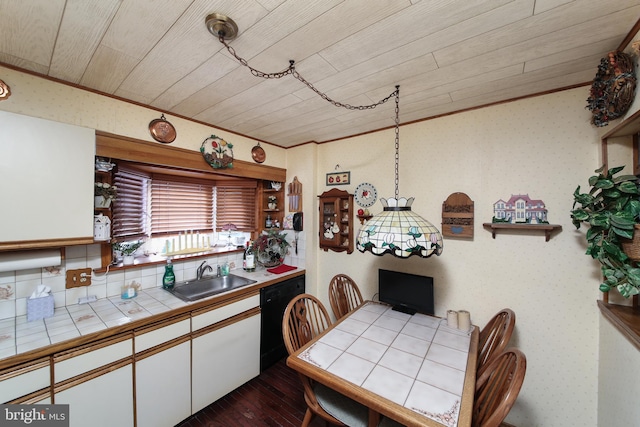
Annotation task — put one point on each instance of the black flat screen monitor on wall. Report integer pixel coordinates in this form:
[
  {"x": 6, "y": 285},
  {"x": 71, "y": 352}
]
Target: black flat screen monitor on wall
[{"x": 408, "y": 293}]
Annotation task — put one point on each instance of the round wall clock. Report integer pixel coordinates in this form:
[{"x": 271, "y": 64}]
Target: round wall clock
[{"x": 366, "y": 195}]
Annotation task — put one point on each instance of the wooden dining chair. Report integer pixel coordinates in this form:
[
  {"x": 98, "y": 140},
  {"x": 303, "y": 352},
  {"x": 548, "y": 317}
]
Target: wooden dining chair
[
  {"x": 497, "y": 387},
  {"x": 305, "y": 317},
  {"x": 495, "y": 336},
  {"x": 344, "y": 295}
]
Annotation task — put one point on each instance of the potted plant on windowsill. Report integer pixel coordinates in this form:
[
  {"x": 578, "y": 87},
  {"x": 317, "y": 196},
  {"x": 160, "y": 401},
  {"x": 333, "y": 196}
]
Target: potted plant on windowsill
[
  {"x": 611, "y": 209},
  {"x": 127, "y": 250},
  {"x": 104, "y": 193}
]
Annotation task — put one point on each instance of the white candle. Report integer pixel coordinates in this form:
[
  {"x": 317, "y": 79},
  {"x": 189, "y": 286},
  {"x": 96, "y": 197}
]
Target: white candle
[
  {"x": 452, "y": 318},
  {"x": 166, "y": 246},
  {"x": 173, "y": 244},
  {"x": 464, "y": 320}
]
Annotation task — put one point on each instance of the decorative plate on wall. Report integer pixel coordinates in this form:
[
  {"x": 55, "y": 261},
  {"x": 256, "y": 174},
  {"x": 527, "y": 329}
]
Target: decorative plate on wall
[
  {"x": 258, "y": 154},
  {"x": 221, "y": 156},
  {"x": 5, "y": 91},
  {"x": 366, "y": 195},
  {"x": 162, "y": 131}
]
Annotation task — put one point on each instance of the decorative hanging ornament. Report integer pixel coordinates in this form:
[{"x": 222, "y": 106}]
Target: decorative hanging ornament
[
  {"x": 162, "y": 131},
  {"x": 221, "y": 156},
  {"x": 613, "y": 88},
  {"x": 258, "y": 154},
  {"x": 5, "y": 91}
]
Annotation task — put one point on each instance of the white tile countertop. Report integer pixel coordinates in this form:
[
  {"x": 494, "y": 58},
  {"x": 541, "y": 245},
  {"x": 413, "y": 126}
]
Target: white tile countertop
[{"x": 17, "y": 335}]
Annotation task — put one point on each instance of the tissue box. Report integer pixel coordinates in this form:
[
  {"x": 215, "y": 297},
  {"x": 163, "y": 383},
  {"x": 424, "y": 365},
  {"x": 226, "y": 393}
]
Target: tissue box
[{"x": 39, "y": 308}]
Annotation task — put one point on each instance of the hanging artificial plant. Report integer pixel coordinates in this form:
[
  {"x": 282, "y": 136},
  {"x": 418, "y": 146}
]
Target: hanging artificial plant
[{"x": 611, "y": 209}]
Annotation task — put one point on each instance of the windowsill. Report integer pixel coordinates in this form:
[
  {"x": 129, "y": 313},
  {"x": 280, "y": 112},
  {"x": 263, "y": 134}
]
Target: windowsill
[
  {"x": 625, "y": 318},
  {"x": 154, "y": 259}
]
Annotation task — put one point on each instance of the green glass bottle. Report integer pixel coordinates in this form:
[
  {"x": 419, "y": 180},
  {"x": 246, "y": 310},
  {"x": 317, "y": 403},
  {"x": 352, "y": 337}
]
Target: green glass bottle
[{"x": 169, "y": 278}]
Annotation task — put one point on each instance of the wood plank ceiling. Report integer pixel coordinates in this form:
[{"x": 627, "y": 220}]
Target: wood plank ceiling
[{"x": 446, "y": 55}]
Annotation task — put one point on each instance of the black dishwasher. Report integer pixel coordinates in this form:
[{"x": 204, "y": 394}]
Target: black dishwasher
[{"x": 273, "y": 301}]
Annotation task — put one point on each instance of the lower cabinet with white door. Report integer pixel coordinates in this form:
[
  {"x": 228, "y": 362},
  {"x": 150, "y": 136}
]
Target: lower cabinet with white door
[
  {"x": 225, "y": 350},
  {"x": 26, "y": 383},
  {"x": 163, "y": 372},
  {"x": 95, "y": 380}
]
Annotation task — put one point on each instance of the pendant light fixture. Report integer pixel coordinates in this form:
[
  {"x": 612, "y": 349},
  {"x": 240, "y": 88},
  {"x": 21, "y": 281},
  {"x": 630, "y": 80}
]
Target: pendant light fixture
[{"x": 396, "y": 230}]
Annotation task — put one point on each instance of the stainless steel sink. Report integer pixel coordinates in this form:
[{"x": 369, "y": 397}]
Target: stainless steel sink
[{"x": 193, "y": 290}]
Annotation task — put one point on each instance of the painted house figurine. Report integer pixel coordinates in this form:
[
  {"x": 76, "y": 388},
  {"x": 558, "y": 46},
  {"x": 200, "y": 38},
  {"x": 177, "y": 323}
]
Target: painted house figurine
[{"x": 520, "y": 208}]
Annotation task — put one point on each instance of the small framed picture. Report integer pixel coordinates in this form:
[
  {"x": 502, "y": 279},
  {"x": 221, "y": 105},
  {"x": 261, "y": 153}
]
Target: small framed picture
[{"x": 338, "y": 178}]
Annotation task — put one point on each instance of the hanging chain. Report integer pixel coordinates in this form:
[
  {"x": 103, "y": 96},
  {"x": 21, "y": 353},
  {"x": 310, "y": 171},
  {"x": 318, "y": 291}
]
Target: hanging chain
[
  {"x": 255, "y": 72},
  {"x": 292, "y": 70},
  {"x": 397, "y": 130}
]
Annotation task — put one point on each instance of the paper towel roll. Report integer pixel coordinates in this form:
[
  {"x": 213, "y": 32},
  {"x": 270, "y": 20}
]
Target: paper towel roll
[
  {"x": 452, "y": 318},
  {"x": 24, "y": 260},
  {"x": 464, "y": 320}
]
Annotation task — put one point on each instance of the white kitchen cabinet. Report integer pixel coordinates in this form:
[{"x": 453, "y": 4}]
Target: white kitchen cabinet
[
  {"x": 96, "y": 381},
  {"x": 163, "y": 373},
  {"x": 25, "y": 379},
  {"x": 102, "y": 401},
  {"x": 225, "y": 351},
  {"x": 46, "y": 182}
]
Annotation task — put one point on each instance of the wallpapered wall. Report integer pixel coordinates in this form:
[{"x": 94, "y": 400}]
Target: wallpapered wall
[{"x": 542, "y": 146}]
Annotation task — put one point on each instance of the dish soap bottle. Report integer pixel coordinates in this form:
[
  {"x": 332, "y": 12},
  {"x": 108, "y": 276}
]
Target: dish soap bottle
[
  {"x": 169, "y": 278},
  {"x": 249, "y": 259}
]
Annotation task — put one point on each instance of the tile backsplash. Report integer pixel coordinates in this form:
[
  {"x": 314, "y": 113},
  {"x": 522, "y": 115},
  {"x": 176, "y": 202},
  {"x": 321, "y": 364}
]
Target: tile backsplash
[{"x": 17, "y": 286}]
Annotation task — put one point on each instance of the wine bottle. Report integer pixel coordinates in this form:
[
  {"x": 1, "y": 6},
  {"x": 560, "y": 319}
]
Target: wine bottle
[{"x": 249, "y": 258}]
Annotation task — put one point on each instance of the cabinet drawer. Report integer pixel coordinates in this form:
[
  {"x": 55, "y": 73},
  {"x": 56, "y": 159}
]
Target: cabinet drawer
[
  {"x": 24, "y": 379},
  {"x": 205, "y": 319},
  {"x": 92, "y": 356},
  {"x": 158, "y": 334}
]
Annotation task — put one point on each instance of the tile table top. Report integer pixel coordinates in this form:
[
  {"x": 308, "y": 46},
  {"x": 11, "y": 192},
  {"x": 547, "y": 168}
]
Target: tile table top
[{"x": 416, "y": 361}]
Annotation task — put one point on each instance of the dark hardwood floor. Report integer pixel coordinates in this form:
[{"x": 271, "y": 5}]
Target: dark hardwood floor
[{"x": 274, "y": 398}]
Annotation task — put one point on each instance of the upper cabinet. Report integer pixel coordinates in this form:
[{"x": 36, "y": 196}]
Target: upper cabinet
[{"x": 46, "y": 180}]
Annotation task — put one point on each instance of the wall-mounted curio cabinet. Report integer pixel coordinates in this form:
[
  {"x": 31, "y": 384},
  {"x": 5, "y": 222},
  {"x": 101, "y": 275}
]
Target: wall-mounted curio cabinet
[{"x": 336, "y": 221}]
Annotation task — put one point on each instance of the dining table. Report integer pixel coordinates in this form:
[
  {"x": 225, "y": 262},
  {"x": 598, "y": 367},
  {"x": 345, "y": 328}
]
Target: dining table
[{"x": 412, "y": 368}]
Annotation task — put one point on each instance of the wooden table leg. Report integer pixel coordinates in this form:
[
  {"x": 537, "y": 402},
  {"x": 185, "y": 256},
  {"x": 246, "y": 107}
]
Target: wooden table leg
[{"x": 374, "y": 418}]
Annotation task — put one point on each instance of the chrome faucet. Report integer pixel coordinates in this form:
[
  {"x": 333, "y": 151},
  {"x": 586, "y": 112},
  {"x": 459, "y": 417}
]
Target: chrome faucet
[{"x": 203, "y": 267}]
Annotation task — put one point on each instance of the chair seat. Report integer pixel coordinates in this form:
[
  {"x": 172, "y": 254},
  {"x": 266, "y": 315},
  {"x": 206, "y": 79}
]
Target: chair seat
[{"x": 341, "y": 407}]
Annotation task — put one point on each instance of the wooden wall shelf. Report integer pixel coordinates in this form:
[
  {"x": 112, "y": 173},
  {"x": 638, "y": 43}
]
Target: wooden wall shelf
[
  {"x": 546, "y": 228},
  {"x": 625, "y": 318},
  {"x": 364, "y": 218}
]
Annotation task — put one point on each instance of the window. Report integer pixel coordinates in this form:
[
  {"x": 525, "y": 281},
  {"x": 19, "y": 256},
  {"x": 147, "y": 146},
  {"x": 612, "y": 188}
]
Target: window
[
  {"x": 130, "y": 209},
  {"x": 180, "y": 205},
  {"x": 236, "y": 205},
  {"x": 159, "y": 205}
]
